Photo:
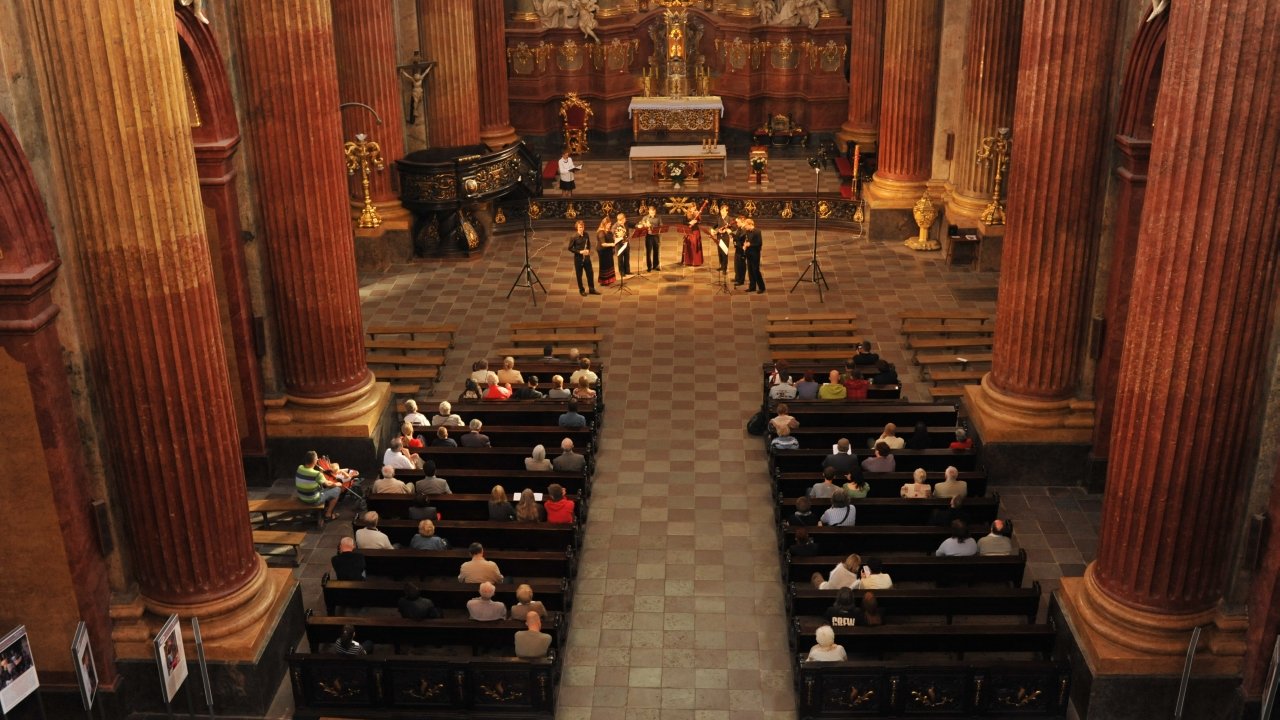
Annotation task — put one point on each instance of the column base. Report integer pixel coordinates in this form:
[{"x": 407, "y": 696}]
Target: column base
[
  {"x": 887, "y": 192},
  {"x": 394, "y": 215},
  {"x": 351, "y": 435},
  {"x": 1029, "y": 442},
  {"x": 1116, "y": 681},
  {"x": 498, "y": 138},
  {"x": 379, "y": 249},
  {"x": 864, "y": 139},
  {"x": 964, "y": 211},
  {"x": 991, "y": 248}
]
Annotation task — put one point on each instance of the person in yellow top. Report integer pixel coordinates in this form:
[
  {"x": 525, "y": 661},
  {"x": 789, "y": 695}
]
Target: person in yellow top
[{"x": 833, "y": 389}]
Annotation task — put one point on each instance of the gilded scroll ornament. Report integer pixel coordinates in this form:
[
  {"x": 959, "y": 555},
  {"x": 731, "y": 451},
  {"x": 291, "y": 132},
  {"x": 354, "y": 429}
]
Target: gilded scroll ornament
[
  {"x": 500, "y": 217},
  {"x": 364, "y": 155},
  {"x": 675, "y": 119},
  {"x": 426, "y": 690},
  {"x": 619, "y": 54},
  {"x": 499, "y": 692},
  {"x": 924, "y": 213},
  {"x": 521, "y": 59},
  {"x": 758, "y": 50},
  {"x": 787, "y": 213},
  {"x": 785, "y": 55},
  {"x": 571, "y": 55},
  {"x": 733, "y": 55},
  {"x": 995, "y": 150},
  {"x": 931, "y": 698}
]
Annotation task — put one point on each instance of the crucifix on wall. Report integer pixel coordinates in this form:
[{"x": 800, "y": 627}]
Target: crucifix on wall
[{"x": 416, "y": 72}]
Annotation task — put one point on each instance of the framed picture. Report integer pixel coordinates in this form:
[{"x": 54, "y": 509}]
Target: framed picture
[
  {"x": 82, "y": 661},
  {"x": 171, "y": 657},
  {"x": 17, "y": 669}
]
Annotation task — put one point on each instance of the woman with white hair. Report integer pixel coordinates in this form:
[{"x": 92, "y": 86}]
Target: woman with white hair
[
  {"x": 447, "y": 417},
  {"x": 918, "y": 489},
  {"x": 558, "y": 391},
  {"x": 412, "y": 416},
  {"x": 539, "y": 461},
  {"x": 509, "y": 374},
  {"x": 826, "y": 650}
]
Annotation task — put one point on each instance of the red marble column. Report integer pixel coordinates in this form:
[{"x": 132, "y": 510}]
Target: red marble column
[
  {"x": 52, "y": 584},
  {"x": 1197, "y": 328},
  {"x": 291, "y": 93},
  {"x": 866, "y": 66},
  {"x": 447, "y": 34},
  {"x": 912, "y": 37},
  {"x": 147, "y": 279},
  {"x": 491, "y": 53},
  {"x": 990, "y": 84},
  {"x": 364, "y": 36},
  {"x": 1053, "y": 205}
]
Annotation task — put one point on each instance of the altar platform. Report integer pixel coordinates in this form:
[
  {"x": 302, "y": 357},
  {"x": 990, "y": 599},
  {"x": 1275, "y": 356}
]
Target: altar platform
[{"x": 789, "y": 176}]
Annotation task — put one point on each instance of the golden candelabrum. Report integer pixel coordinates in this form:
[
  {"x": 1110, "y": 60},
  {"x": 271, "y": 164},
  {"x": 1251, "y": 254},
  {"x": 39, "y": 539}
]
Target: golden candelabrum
[
  {"x": 364, "y": 155},
  {"x": 924, "y": 213},
  {"x": 995, "y": 150}
]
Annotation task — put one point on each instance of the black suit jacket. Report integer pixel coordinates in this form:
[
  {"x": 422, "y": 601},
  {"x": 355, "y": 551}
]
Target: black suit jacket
[{"x": 757, "y": 242}]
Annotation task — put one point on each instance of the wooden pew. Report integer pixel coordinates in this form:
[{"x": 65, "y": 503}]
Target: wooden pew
[
  {"x": 930, "y": 460},
  {"x": 482, "y": 480},
  {"x": 901, "y": 511},
  {"x": 446, "y": 593},
  {"x": 497, "y": 535},
  {"x": 285, "y": 507},
  {"x": 521, "y": 436},
  {"x": 944, "y": 316},
  {"x": 825, "y": 413},
  {"x": 883, "y": 485},
  {"x": 514, "y": 564},
  {"x": 877, "y": 640},
  {"x": 521, "y": 412},
  {"x": 813, "y": 317},
  {"x": 864, "y": 539},
  {"x": 940, "y": 436},
  {"x": 398, "y": 633},
  {"x": 805, "y": 600},
  {"x": 493, "y": 458},
  {"x": 458, "y": 506},
  {"x": 978, "y": 569},
  {"x": 554, "y": 326}
]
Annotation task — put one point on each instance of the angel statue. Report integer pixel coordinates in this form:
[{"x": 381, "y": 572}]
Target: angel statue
[
  {"x": 587, "y": 18},
  {"x": 797, "y": 12},
  {"x": 198, "y": 9},
  {"x": 765, "y": 10}
]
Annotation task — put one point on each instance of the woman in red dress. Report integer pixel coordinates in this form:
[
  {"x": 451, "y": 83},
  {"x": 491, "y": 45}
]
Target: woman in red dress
[{"x": 692, "y": 254}]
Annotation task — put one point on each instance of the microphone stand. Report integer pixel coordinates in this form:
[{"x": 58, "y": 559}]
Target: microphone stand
[
  {"x": 813, "y": 273},
  {"x": 527, "y": 277}
]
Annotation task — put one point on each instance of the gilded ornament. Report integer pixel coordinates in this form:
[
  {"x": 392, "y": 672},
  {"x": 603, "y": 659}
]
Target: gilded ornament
[
  {"x": 995, "y": 150},
  {"x": 931, "y": 698},
  {"x": 1022, "y": 698},
  {"x": 784, "y": 56},
  {"x": 426, "y": 690},
  {"x": 606, "y": 208},
  {"x": 522, "y": 59},
  {"x": 570, "y": 210},
  {"x": 499, "y": 692},
  {"x": 679, "y": 205},
  {"x": 758, "y": 49},
  {"x": 787, "y": 212},
  {"x": 191, "y": 99},
  {"x": 571, "y": 56},
  {"x": 364, "y": 155},
  {"x": 824, "y": 209},
  {"x": 924, "y": 213},
  {"x": 500, "y": 218},
  {"x": 535, "y": 210},
  {"x": 860, "y": 213},
  {"x": 749, "y": 208}
]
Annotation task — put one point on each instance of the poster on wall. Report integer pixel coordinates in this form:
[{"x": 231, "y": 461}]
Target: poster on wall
[
  {"x": 171, "y": 658},
  {"x": 17, "y": 669},
  {"x": 82, "y": 661}
]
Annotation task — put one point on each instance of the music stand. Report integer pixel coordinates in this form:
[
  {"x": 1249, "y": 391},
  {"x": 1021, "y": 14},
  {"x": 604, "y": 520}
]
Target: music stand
[
  {"x": 813, "y": 273},
  {"x": 621, "y": 287},
  {"x": 527, "y": 277},
  {"x": 637, "y": 233}
]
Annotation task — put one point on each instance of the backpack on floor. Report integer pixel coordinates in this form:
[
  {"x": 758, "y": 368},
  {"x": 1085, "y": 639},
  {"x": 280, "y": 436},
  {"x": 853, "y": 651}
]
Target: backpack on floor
[{"x": 757, "y": 424}]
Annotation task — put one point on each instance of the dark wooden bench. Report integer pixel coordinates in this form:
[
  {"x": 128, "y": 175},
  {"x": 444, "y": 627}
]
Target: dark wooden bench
[
  {"x": 804, "y": 599},
  {"x": 482, "y": 480},
  {"x": 521, "y": 436},
  {"x": 492, "y": 458},
  {"x": 930, "y": 460},
  {"x": 901, "y": 511},
  {"x": 446, "y": 593},
  {"x": 521, "y": 412},
  {"x": 869, "y": 413},
  {"x": 876, "y": 641},
  {"x": 514, "y": 564},
  {"x": 864, "y": 539},
  {"x": 457, "y": 506},
  {"x": 883, "y": 485},
  {"x": 285, "y": 507},
  {"x": 497, "y": 535},
  {"x": 978, "y": 569},
  {"x": 940, "y": 436},
  {"x": 398, "y": 633},
  {"x": 944, "y": 316}
]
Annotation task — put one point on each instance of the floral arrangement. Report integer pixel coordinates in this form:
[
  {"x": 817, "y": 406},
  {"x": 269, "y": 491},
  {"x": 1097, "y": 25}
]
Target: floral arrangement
[
  {"x": 758, "y": 164},
  {"x": 676, "y": 170}
]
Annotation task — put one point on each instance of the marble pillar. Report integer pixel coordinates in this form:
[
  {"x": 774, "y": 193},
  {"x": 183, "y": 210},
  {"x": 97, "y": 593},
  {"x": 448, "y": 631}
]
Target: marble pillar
[
  {"x": 364, "y": 36},
  {"x": 291, "y": 91},
  {"x": 124, "y": 141},
  {"x": 448, "y": 36},
  {"x": 912, "y": 34},
  {"x": 990, "y": 83},
  {"x": 866, "y": 61},
  {"x": 491, "y": 51},
  {"x": 1053, "y": 208},
  {"x": 1194, "y": 349}
]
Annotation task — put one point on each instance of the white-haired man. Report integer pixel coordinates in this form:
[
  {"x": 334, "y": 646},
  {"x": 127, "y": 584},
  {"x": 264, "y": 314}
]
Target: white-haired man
[
  {"x": 951, "y": 485},
  {"x": 388, "y": 483},
  {"x": 412, "y": 416},
  {"x": 370, "y": 537},
  {"x": 397, "y": 457},
  {"x": 485, "y": 608},
  {"x": 568, "y": 461}
]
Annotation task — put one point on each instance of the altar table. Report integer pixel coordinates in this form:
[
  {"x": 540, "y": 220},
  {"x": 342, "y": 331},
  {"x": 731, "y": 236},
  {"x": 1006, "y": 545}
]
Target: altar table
[
  {"x": 687, "y": 114},
  {"x": 695, "y": 155}
]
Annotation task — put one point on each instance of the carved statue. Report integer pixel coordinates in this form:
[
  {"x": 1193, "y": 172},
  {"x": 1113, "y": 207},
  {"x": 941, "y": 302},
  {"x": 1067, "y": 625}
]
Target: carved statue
[
  {"x": 1157, "y": 7},
  {"x": 198, "y": 9},
  {"x": 569, "y": 14},
  {"x": 416, "y": 72},
  {"x": 587, "y": 18},
  {"x": 796, "y": 12},
  {"x": 765, "y": 10}
]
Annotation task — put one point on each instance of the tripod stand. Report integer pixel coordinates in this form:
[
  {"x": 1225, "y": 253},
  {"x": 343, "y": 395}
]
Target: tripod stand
[
  {"x": 813, "y": 273},
  {"x": 527, "y": 277}
]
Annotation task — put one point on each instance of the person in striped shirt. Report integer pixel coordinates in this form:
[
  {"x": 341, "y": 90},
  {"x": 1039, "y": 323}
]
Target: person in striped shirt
[{"x": 314, "y": 488}]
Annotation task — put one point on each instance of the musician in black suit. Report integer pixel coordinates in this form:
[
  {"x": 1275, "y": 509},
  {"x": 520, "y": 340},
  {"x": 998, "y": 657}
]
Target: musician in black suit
[
  {"x": 580, "y": 246},
  {"x": 739, "y": 255},
  {"x": 724, "y": 234},
  {"x": 752, "y": 243},
  {"x": 652, "y": 226}
]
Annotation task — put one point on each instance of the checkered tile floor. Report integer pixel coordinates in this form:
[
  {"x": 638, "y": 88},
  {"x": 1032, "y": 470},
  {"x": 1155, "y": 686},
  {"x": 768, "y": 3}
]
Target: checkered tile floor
[{"x": 679, "y": 607}]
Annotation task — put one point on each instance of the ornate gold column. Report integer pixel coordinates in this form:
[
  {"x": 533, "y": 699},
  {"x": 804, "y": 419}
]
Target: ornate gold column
[
  {"x": 364, "y": 36},
  {"x": 912, "y": 35},
  {"x": 448, "y": 35},
  {"x": 990, "y": 85},
  {"x": 866, "y": 67},
  {"x": 491, "y": 50}
]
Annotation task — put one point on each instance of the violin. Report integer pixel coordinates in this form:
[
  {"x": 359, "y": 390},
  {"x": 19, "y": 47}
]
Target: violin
[{"x": 337, "y": 474}]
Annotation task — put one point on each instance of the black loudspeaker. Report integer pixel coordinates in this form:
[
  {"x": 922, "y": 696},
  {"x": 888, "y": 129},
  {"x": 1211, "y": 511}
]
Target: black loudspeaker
[{"x": 102, "y": 526}]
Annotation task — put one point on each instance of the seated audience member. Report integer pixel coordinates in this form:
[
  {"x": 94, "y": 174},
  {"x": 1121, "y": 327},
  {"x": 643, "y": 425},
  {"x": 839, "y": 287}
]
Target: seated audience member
[
  {"x": 509, "y": 374},
  {"x": 485, "y": 608},
  {"x": 529, "y": 391},
  {"x": 526, "y": 604},
  {"x": 919, "y": 439},
  {"x": 548, "y": 353},
  {"x": 568, "y": 460},
  {"x": 804, "y": 546},
  {"x": 785, "y": 440},
  {"x": 558, "y": 391},
  {"x": 442, "y": 438},
  {"x": 827, "y": 487},
  {"x": 528, "y": 509},
  {"x": 882, "y": 461},
  {"x": 411, "y": 441},
  {"x": 807, "y": 388},
  {"x": 399, "y": 458},
  {"x": 873, "y": 577},
  {"x": 388, "y": 483},
  {"x": 370, "y": 537},
  {"x": 471, "y": 391},
  {"x": 314, "y": 487},
  {"x": 559, "y": 508},
  {"x": 844, "y": 611},
  {"x": 841, "y": 513},
  {"x": 537, "y": 462},
  {"x": 348, "y": 564},
  {"x": 995, "y": 542},
  {"x": 413, "y": 606},
  {"x": 826, "y": 649},
  {"x": 532, "y": 642},
  {"x": 583, "y": 392},
  {"x": 785, "y": 390},
  {"x": 951, "y": 485},
  {"x": 959, "y": 544},
  {"x": 855, "y": 386},
  {"x": 832, "y": 389},
  {"x": 783, "y": 418},
  {"x": 431, "y": 485},
  {"x": 952, "y": 512},
  {"x": 474, "y": 438},
  {"x": 843, "y": 575},
  {"x": 346, "y": 643},
  {"x": 778, "y": 375},
  {"x": 500, "y": 509},
  {"x": 871, "y": 614},
  {"x": 412, "y": 416},
  {"x": 574, "y": 355},
  {"x": 886, "y": 374},
  {"x": 890, "y": 437},
  {"x": 446, "y": 416},
  {"x": 498, "y": 391},
  {"x": 572, "y": 418},
  {"x": 842, "y": 459},
  {"x": 864, "y": 356},
  {"x": 962, "y": 441},
  {"x": 857, "y": 488},
  {"x": 482, "y": 375},
  {"x": 803, "y": 515},
  {"x": 426, "y": 539},
  {"x": 917, "y": 488},
  {"x": 584, "y": 371},
  {"x": 477, "y": 569}
]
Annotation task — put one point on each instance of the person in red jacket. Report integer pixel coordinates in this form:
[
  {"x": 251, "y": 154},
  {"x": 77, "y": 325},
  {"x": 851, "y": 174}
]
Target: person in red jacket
[{"x": 559, "y": 508}]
